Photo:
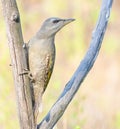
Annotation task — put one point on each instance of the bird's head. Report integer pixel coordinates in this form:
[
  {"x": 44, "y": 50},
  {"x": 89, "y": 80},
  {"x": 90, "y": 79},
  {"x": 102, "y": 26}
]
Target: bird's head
[{"x": 52, "y": 25}]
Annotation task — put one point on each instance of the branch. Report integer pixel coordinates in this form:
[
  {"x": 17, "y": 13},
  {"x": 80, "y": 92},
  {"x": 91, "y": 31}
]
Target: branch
[
  {"x": 19, "y": 63},
  {"x": 86, "y": 64}
]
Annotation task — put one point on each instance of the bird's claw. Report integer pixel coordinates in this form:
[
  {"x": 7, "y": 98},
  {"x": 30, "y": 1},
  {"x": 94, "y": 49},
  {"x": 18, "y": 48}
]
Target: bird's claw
[
  {"x": 25, "y": 71},
  {"x": 31, "y": 77}
]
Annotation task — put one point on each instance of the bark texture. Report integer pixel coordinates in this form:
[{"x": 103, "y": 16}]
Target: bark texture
[{"x": 18, "y": 62}]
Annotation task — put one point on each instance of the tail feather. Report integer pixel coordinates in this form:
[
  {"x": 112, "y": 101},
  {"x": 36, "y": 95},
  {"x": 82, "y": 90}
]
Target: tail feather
[{"x": 37, "y": 93}]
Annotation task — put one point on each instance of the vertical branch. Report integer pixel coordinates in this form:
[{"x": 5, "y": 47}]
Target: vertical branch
[{"x": 18, "y": 59}]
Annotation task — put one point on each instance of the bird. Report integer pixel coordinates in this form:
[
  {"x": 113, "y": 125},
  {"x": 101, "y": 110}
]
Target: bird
[{"x": 41, "y": 57}]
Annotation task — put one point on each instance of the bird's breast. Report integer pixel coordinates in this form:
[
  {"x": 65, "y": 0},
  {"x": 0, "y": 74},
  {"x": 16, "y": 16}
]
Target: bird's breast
[{"x": 41, "y": 61}]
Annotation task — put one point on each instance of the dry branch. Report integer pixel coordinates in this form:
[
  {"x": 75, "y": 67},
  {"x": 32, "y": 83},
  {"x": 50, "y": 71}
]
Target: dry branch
[{"x": 86, "y": 64}]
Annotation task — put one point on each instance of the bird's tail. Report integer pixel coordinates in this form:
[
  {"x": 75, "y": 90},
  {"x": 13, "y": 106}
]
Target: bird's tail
[
  {"x": 36, "y": 100},
  {"x": 37, "y": 109}
]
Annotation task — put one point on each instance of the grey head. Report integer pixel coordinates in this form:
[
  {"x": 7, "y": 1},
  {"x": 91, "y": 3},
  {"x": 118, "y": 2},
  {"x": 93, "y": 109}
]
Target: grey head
[{"x": 52, "y": 25}]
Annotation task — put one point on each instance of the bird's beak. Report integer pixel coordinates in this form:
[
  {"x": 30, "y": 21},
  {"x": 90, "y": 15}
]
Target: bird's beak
[{"x": 66, "y": 21}]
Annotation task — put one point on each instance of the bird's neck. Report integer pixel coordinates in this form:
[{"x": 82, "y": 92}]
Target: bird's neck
[
  {"x": 45, "y": 39},
  {"x": 42, "y": 35}
]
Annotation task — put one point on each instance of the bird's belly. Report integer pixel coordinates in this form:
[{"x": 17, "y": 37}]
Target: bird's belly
[{"x": 41, "y": 66}]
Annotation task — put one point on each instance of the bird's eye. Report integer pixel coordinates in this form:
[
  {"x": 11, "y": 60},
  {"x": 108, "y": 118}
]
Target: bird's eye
[{"x": 56, "y": 21}]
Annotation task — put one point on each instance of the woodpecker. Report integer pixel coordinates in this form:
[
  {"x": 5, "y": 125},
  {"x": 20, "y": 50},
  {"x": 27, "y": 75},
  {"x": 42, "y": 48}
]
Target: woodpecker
[{"x": 41, "y": 57}]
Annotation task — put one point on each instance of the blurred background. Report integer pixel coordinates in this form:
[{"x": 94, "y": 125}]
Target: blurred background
[{"x": 97, "y": 103}]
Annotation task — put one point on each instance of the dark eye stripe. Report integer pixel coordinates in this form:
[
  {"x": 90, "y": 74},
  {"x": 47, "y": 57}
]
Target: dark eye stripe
[{"x": 56, "y": 21}]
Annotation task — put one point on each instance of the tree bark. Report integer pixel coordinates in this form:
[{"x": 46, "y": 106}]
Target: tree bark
[{"x": 18, "y": 62}]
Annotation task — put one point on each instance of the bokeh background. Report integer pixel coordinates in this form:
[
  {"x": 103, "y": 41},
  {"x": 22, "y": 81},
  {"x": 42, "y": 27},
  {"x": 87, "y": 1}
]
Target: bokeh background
[{"x": 97, "y": 103}]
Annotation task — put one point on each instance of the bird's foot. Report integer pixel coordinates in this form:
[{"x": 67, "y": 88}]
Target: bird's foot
[
  {"x": 31, "y": 77},
  {"x": 25, "y": 45},
  {"x": 26, "y": 71}
]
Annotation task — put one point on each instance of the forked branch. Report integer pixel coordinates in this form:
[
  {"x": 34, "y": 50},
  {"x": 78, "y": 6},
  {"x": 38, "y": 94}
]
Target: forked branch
[{"x": 19, "y": 63}]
